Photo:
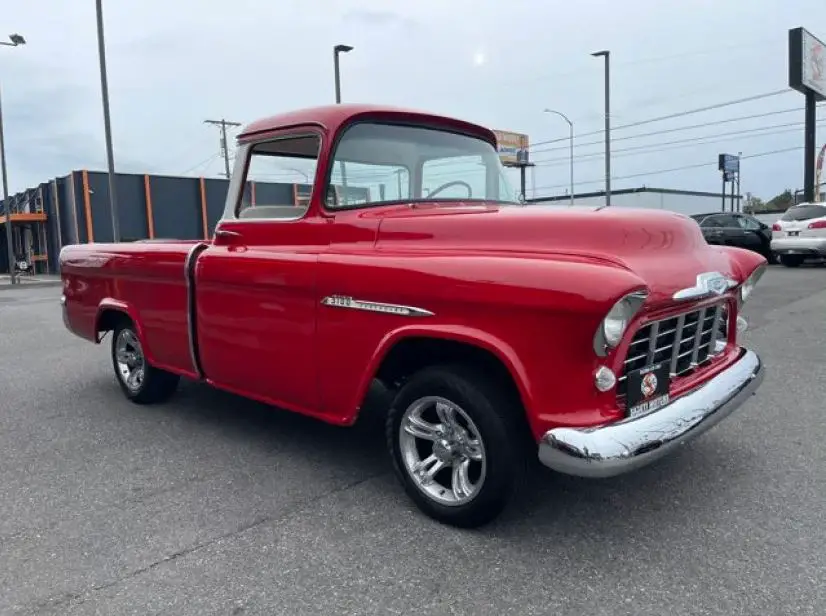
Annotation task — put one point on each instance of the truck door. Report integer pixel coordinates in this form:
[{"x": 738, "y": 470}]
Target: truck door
[{"x": 255, "y": 287}]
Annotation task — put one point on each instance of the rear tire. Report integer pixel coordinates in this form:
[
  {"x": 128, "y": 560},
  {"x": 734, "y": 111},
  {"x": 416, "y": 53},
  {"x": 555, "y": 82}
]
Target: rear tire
[
  {"x": 457, "y": 443},
  {"x": 140, "y": 382},
  {"x": 791, "y": 260}
]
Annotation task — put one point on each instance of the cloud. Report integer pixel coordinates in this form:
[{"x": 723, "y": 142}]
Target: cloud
[{"x": 174, "y": 64}]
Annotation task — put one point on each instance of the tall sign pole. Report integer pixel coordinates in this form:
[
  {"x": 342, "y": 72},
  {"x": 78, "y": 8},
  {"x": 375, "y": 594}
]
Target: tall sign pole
[
  {"x": 107, "y": 124},
  {"x": 807, "y": 75}
]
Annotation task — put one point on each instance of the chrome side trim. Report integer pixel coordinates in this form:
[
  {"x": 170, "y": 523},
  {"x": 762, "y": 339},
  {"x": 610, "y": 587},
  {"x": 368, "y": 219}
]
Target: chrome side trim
[
  {"x": 343, "y": 301},
  {"x": 191, "y": 321},
  {"x": 707, "y": 284},
  {"x": 628, "y": 444}
]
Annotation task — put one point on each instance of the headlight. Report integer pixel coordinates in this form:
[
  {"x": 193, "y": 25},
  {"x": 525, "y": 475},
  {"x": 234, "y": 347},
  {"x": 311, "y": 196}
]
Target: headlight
[
  {"x": 613, "y": 326},
  {"x": 748, "y": 286}
]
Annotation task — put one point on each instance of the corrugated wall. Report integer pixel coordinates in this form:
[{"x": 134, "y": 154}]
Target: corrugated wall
[{"x": 149, "y": 206}]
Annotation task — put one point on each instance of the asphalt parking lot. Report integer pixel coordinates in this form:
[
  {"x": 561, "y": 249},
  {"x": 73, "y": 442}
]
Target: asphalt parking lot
[{"x": 214, "y": 505}]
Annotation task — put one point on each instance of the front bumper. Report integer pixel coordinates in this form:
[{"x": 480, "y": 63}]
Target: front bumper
[
  {"x": 814, "y": 246},
  {"x": 628, "y": 444}
]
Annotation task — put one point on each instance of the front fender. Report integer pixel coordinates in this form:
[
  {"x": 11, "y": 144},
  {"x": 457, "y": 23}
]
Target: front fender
[{"x": 455, "y": 333}]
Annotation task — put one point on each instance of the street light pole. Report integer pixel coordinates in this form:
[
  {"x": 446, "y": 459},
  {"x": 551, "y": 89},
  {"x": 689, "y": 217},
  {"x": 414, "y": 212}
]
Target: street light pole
[
  {"x": 339, "y": 49},
  {"x": 607, "y": 55},
  {"x": 571, "y": 131},
  {"x": 15, "y": 40},
  {"x": 107, "y": 126}
]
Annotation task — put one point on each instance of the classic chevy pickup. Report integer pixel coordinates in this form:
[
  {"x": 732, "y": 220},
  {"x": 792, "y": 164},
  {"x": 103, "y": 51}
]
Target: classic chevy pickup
[{"x": 598, "y": 339}]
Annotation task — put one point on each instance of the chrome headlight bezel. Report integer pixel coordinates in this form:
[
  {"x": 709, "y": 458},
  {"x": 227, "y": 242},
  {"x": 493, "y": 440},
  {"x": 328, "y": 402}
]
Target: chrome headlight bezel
[
  {"x": 746, "y": 289},
  {"x": 613, "y": 326}
]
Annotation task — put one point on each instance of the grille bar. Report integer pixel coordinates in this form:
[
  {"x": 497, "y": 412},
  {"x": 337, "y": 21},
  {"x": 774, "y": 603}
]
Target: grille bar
[{"x": 686, "y": 341}]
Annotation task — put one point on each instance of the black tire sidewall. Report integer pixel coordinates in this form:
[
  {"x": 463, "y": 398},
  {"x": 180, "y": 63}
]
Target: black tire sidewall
[{"x": 487, "y": 406}]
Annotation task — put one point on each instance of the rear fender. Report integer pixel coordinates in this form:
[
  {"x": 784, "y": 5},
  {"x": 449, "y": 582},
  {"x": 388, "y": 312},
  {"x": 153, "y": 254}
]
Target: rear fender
[
  {"x": 111, "y": 304},
  {"x": 456, "y": 333}
]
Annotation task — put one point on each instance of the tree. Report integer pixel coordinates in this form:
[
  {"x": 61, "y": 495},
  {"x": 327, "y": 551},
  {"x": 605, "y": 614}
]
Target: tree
[
  {"x": 753, "y": 204},
  {"x": 782, "y": 201}
]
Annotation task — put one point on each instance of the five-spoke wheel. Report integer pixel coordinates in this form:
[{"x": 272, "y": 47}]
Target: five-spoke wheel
[
  {"x": 140, "y": 381},
  {"x": 457, "y": 444}
]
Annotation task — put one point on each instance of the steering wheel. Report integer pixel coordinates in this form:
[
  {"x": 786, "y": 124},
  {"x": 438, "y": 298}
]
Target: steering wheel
[{"x": 452, "y": 183}]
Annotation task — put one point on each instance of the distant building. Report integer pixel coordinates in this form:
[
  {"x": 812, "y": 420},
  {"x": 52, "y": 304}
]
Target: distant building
[
  {"x": 75, "y": 209},
  {"x": 683, "y": 201}
]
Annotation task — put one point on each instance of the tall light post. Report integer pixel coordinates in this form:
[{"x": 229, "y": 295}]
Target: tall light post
[
  {"x": 14, "y": 41},
  {"x": 339, "y": 49},
  {"x": 571, "y": 132},
  {"x": 607, "y": 55},
  {"x": 107, "y": 126}
]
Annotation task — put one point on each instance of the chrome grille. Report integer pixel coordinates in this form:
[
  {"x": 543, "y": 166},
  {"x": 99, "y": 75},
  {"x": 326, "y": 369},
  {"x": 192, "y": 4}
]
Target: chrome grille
[{"x": 685, "y": 340}]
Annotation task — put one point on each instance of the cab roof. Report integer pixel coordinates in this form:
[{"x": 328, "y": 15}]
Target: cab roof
[{"x": 332, "y": 118}]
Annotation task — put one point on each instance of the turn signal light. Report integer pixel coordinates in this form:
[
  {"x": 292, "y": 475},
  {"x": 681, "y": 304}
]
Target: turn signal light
[{"x": 818, "y": 224}]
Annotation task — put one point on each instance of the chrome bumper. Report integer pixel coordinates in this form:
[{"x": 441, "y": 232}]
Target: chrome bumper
[{"x": 628, "y": 444}]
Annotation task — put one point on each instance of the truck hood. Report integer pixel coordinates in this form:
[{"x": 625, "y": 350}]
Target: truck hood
[{"x": 665, "y": 250}]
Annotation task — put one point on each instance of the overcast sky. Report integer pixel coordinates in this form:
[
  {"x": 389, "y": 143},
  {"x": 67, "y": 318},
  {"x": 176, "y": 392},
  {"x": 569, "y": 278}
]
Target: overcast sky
[{"x": 174, "y": 63}]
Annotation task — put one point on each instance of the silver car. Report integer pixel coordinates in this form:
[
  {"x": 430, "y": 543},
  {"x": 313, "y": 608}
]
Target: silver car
[{"x": 800, "y": 234}]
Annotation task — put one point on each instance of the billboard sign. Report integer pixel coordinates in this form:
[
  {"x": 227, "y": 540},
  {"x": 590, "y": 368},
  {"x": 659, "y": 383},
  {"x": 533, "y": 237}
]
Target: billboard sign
[
  {"x": 728, "y": 163},
  {"x": 512, "y": 148},
  {"x": 807, "y": 63}
]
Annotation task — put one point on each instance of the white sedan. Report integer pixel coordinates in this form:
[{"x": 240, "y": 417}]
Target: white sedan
[{"x": 800, "y": 234}]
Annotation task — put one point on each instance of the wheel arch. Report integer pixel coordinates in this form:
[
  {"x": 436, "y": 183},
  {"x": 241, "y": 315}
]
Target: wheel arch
[
  {"x": 402, "y": 352},
  {"x": 110, "y": 313}
]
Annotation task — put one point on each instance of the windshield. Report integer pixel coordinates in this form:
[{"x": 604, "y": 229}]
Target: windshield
[
  {"x": 385, "y": 163},
  {"x": 804, "y": 212}
]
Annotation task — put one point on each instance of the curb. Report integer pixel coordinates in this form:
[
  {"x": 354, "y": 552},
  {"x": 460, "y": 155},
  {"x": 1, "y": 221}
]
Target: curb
[{"x": 7, "y": 286}]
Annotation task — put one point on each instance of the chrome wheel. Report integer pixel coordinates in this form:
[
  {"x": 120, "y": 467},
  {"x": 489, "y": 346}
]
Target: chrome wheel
[
  {"x": 442, "y": 451},
  {"x": 131, "y": 364}
]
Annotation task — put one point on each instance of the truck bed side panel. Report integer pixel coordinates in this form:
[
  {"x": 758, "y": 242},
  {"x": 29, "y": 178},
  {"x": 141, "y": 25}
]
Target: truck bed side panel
[{"x": 148, "y": 279}]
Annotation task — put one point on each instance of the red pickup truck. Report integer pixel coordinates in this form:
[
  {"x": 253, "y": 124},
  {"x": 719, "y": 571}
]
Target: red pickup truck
[{"x": 596, "y": 339}]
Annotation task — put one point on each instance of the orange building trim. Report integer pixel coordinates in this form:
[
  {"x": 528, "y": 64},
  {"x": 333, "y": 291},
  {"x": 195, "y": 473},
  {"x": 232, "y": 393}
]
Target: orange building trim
[
  {"x": 204, "y": 221},
  {"x": 150, "y": 219},
  {"x": 25, "y": 217},
  {"x": 87, "y": 207}
]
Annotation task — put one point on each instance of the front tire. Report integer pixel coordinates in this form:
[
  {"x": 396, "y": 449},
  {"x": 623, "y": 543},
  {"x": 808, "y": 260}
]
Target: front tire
[
  {"x": 140, "y": 382},
  {"x": 457, "y": 445},
  {"x": 791, "y": 260}
]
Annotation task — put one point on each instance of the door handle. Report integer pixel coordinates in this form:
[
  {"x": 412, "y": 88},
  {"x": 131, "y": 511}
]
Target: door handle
[{"x": 227, "y": 234}]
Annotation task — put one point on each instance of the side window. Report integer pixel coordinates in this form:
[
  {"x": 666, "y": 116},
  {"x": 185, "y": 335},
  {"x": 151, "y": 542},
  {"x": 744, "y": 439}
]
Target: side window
[
  {"x": 749, "y": 224},
  {"x": 279, "y": 178},
  {"x": 726, "y": 221},
  {"x": 711, "y": 222},
  {"x": 354, "y": 183}
]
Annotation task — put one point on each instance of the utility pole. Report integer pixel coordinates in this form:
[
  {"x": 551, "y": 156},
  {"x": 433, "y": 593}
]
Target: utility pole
[
  {"x": 14, "y": 41},
  {"x": 107, "y": 125},
  {"x": 223, "y": 124},
  {"x": 607, "y": 55}
]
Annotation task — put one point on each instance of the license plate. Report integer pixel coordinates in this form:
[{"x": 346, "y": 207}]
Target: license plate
[
  {"x": 648, "y": 389},
  {"x": 793, "y": 233}
]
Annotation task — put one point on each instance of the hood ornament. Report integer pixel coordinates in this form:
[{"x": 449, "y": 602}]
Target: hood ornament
[{"x": 708, "y": 283}]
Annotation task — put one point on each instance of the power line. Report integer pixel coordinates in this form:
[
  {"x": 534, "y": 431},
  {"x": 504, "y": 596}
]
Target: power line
[
  {"x": 680, "y": 114},
  {"x": 675, "y": 129},
  {"x": 202, "y": 163},
  {"x": 672, "y": 170},
  {"x": 223, "y": 124},
  {"x": 656, "y": 147}
]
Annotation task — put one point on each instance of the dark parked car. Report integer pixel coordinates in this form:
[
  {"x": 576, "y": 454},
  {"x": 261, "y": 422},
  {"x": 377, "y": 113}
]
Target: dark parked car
[{"x": 734, "y": 229}]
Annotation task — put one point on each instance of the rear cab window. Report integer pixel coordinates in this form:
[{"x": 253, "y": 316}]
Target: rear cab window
[{"x": 804, "y": 212}]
